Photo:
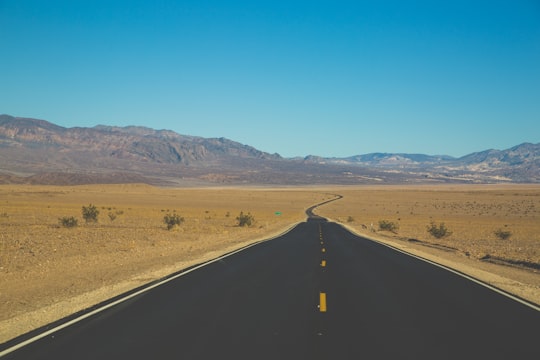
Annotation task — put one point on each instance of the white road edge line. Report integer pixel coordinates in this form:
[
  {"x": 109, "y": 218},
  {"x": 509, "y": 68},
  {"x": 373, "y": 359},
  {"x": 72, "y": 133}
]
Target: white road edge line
[
  {"x": 468, "y": 277},
  {"x": 150, "y": 287}
]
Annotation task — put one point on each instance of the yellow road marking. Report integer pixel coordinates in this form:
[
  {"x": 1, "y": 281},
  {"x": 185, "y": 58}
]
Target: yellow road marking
[
  {"x": 322, "y": 302},
  {"x": 323, "y": 250},
  {"x": 323, "y": 263}
]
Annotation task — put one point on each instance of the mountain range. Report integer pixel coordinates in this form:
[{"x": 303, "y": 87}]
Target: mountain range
[{"x": 39, "y": 152}]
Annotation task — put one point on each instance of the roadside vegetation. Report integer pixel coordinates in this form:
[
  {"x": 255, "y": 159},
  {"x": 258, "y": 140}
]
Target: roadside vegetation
[
  {"x": 503, "y": 234},
  {"x": 387, "y": 225},
  {"x": 90, "y": 213},
  {"x": 172, "y": 220},
  {"x": 438, "y": 231},
  {"x": 68, "y": 221},
  {"x": 245, "y": 219}
]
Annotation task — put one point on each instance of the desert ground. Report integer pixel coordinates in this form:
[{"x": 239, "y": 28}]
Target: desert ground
[{"x": 48, "y": 271}]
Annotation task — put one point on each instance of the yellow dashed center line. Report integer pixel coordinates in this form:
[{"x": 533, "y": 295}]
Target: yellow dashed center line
[
  {"x": 322, "y": 302},
  {"x": 322, "y": 295}
]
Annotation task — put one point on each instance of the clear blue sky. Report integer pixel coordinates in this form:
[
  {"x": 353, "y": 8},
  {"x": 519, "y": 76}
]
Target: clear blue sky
[{"x": 329, "y": 78}]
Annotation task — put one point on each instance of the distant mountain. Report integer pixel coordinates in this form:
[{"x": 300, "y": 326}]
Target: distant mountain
[
  {"x": 37, "y": 151},
  {"x": 523, "y": 154},
  {"x": 384, "y": 159},
  {"x": 128, "y": 143},
  {"x": 520, "y": 163}
]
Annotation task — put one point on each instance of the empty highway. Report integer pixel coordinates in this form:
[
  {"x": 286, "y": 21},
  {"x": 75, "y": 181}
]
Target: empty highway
[{"x": 316, "y": 292}]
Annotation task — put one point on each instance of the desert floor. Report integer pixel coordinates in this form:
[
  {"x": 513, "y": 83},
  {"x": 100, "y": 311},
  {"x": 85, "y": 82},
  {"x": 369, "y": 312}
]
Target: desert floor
[{"x": 48, "y": 271}]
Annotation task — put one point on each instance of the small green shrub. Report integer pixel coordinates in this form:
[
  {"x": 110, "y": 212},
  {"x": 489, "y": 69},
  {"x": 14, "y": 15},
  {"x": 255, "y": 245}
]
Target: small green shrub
[
  {"x": 68, "y": 222},
  {"x": 172, "y": 220},
  {"x": 90, "y": 213},
  {"x": 503, "y": 234},
  {"x": 245, "y": 219},
  {"x": 438, "y": 232},
  {"x": 386, "y": 225}
]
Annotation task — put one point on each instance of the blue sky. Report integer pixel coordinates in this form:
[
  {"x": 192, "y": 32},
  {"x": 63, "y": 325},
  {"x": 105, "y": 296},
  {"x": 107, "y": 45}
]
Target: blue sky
[{"x": 330, "y": 78}]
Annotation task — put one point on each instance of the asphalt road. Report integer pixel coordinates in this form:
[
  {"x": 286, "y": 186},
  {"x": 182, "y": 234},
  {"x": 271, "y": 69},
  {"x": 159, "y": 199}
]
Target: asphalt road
[{"x": 317, "y": 292}]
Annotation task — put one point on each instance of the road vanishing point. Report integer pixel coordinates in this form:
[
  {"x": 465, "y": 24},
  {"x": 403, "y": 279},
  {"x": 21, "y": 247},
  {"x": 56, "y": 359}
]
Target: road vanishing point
[{"x": 315, "y": 292}]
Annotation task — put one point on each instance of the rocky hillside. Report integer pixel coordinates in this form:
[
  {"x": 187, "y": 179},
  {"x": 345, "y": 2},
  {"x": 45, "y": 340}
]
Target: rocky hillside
[
  {"x": 37, "y": 151},
  {"x": 104, "y": 153},
  {"x": 129, "y": 143},
  {"x": 517, "y": 164}
]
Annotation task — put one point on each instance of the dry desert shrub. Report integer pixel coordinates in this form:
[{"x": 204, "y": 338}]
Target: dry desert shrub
[
  {"x": 439, "y": 231},
  {"x": 172, "y": 220},
  {"x": 387, "y": 225},
  {"x": 90, "y": 213},
  {"x": 68, "y": 221},
  {"x": 245, "y": 219},
  {"x": 503, "y": 234}
]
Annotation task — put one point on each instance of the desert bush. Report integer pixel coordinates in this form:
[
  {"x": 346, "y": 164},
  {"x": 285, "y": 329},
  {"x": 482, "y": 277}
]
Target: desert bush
[
  {"x": 90, "y": 213},
  {"x": 350, "y": 219},
  {"x": 438, "y": 232},
  {"x": 387, "y": 225},
  {"x": 245, "y": 219},
  {"x": 172, "y": 220},
  {"x": 115, "y": 214},
  {"x": 68, "y": 222},
  {"x": 503, "y": 234}
]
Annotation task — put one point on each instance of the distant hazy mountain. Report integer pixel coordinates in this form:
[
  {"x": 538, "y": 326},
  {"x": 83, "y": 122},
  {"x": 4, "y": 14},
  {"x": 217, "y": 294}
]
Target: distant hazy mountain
[
  {"x": 37, "y": 151},
  {"x": 385, "y": 159},
  {"x": 517, "y": 164}
]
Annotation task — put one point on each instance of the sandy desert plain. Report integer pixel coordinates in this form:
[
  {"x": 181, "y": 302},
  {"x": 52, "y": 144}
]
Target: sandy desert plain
[{"x": 48, "y": 271}]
